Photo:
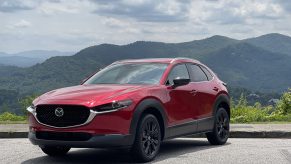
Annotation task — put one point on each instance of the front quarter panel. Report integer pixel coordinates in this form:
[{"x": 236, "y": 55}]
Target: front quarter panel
[{"x": 147, "y": 105}]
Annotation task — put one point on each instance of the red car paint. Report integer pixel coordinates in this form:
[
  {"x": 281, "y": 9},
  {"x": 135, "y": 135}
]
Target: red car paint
[{"x": 182, "y": 104}]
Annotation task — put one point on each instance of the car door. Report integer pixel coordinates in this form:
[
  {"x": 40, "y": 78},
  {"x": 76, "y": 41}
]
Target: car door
[
  {"x": 180, "y": 97},
  {"x": 205, "y": 92}
]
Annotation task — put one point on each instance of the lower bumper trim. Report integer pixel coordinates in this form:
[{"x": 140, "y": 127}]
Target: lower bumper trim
[{"x": 96, "y": 141}]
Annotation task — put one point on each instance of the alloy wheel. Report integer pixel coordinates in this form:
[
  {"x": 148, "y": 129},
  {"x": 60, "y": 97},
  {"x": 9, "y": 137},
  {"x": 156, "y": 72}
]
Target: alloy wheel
[
  {"x": 150, "y": 137},
  {"x": 222, "y": 125}
]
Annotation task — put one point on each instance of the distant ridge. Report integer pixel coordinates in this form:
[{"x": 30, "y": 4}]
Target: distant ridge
[
  {"x": 29, "y": 58},
  {"x": 252, "y": 63},
  {"x": 274, "y": 42}
]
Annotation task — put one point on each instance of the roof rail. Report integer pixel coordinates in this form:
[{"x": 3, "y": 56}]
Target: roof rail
[{"x": 179, "y": 58}]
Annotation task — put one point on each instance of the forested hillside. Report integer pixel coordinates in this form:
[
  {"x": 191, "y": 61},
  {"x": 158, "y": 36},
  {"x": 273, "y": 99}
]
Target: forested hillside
[{"x": 240, "y": 63}]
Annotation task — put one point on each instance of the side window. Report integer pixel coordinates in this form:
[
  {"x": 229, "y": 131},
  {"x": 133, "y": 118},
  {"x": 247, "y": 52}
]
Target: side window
[
  {"x": 197, "y": 73},
  {"x": 208, "y": 74},
  {"x": 178, "y": 72}
]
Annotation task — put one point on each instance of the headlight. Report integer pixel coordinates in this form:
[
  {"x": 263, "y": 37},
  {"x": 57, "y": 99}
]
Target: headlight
[
  {"x": 31, "y": 109},
  {"x": 113, "y": 106}
]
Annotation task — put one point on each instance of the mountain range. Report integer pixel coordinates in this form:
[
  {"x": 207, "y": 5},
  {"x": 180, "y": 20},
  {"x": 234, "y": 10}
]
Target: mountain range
[
  {"x": 259, "y": 64},
  {"x": 29, "y": 58}
]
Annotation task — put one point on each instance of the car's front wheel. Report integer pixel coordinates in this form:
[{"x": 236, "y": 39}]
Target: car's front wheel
[
  {"x": 55, "y": 150},
  {"x": 220, "y": 132},
  {"x": 147, "y": 139}
]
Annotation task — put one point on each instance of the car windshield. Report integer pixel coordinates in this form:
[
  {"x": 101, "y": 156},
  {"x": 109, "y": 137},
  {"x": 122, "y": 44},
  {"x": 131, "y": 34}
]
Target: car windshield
[{"x": 129, "y": 73}]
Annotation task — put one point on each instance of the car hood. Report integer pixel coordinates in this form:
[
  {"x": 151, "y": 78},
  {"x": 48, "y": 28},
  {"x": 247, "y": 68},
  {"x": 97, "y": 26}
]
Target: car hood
[{"x": 88, "y": 93}]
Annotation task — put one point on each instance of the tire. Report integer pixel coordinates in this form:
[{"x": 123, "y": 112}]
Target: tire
[
  {"x": 147, "y": 139},
  {"x": 220, "y": 131},
  {"x": 55, "y": 150}
]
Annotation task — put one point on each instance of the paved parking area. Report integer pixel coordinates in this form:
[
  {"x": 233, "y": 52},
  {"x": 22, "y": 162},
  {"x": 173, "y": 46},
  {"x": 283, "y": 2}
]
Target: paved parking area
[{"x": 183, "y": 150}]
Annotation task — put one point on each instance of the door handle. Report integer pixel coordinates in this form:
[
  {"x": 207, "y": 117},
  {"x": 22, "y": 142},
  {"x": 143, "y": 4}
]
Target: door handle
[
  {"x": 193, "y": 92},
  {"x": 215, "y": 89}
]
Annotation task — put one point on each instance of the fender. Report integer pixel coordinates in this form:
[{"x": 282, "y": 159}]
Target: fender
[
  {"x": 141, "y": 108},
  {"x": 219, "y": 99}
]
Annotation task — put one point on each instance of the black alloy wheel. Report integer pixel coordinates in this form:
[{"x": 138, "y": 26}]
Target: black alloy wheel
[
  {"x": 148, "y": 139},
  {"x": 220, "y": 132},
  {"x": 222, "y": 125}
]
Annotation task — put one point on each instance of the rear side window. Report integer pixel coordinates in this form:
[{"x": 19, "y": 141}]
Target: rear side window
[
  {"x": 178, "y": 72},
  {"x": 208, "y": 74},
  {"x": 197, "y": 73}
]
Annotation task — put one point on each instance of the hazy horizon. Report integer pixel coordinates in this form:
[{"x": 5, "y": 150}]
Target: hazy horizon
[{"x": 16, "y": 52}]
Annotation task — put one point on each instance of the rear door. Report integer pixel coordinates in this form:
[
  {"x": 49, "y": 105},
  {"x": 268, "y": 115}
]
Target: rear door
[{"x": 204, "y": 92}]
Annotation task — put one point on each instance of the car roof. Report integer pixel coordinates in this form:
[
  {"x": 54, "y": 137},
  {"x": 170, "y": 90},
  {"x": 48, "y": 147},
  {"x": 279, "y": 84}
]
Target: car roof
[{"x": 158, "y": 60}]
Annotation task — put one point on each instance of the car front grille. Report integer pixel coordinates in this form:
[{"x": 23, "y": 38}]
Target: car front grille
[{"x": 72, "y": 115}]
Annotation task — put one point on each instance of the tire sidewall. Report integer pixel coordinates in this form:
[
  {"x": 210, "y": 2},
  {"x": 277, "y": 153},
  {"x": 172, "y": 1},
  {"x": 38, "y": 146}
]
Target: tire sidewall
[
  {"x": 219, "y": 111},
  {"x": 138, "y": 141}
]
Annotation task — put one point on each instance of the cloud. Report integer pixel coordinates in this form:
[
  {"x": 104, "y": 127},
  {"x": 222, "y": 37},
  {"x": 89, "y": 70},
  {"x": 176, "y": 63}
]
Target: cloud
[
  {"x": 285, "y": 4},
  {"x": 21, "y": 24},
  {"x": 227, "y": 12},
  {"x": 57, "y": 7},
  {"x": 16, "y": 5},
  {"x": 75, "y": 24},
  {"x": 145, "y": 10}
]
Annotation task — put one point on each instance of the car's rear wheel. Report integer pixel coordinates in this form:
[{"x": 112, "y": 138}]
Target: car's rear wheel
[
  {"x": 55, "y": 150},
  {"x": 147, "y": 139},
  {"x": 220, "y": 132}
]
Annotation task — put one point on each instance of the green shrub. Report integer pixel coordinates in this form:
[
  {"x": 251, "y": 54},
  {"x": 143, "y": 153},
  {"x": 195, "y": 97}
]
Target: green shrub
[
  {"x": 248, "y": 114},
  {"x": 6, "y": 116},
  {"x": 243, "y": 113}
]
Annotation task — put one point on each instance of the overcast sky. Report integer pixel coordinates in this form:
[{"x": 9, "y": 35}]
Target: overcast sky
[{"x": 71, "y": 25}]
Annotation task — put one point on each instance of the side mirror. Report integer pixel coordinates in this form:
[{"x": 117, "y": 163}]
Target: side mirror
[{"x": 180, "y": 82}]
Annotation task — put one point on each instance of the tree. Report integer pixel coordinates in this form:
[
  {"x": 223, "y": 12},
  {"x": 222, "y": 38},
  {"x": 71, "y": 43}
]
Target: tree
[
  {"x": 242, "y": 102},
  {"x": 232, "y": 103},
  {"x": 284, "y": 104},
  {"x": 4, "y": 108},
  {"x": 258, "y": 105},
  {"x": 26, "y": 102}
]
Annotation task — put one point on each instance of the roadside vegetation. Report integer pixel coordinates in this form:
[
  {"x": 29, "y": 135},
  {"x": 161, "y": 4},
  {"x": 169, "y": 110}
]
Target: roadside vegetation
[
  {"x": 241, "y": 111},
  {"x": 8, "y": 118},
  {"x": 11, "y": 118},
  {"x": 244, "y": 113}
]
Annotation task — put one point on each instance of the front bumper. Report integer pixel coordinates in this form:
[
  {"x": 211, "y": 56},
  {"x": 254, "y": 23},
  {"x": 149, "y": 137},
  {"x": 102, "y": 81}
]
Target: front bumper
[
  {"x": 92, "y": 115},
  {"x": 108, "y": 123},
  {"x": 105, "y": 130},
  {"x": 96, "y": 141}
]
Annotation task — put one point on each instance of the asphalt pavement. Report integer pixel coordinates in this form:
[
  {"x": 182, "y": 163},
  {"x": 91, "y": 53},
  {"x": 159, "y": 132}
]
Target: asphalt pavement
[{"x": 180, "y": 151}]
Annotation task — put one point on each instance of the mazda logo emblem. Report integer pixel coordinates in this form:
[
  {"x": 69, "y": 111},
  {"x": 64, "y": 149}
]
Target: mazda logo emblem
[{"x": 59, "y": 112}]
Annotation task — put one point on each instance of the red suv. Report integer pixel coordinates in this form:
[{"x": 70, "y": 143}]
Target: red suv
[{"x": 135, "y": 104}]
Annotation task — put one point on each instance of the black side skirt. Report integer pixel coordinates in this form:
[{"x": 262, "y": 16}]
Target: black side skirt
[{"x": 193, "y": 127}]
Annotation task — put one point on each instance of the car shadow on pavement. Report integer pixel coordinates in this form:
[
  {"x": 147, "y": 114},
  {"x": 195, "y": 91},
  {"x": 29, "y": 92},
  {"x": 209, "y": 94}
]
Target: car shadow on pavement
[{"x": 175, "y": 148}]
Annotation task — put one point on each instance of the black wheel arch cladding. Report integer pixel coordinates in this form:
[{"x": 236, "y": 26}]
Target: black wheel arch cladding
[
  {"x": 150, "y": 106},
  {"x": 222, "y": 101}
]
